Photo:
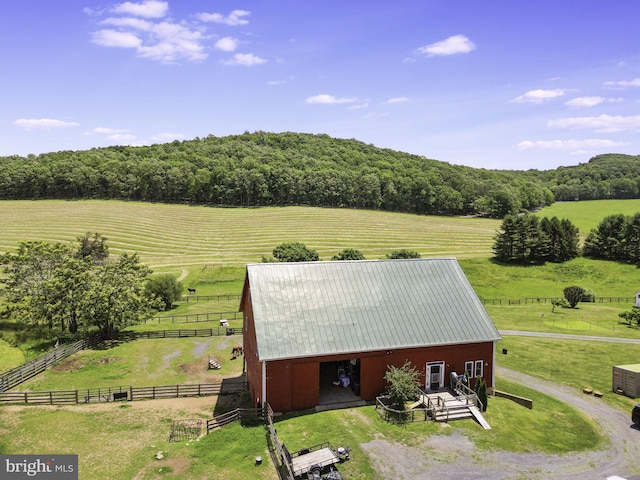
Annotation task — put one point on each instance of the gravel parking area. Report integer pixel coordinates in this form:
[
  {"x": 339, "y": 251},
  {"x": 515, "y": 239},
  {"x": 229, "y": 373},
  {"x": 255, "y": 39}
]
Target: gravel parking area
[{"x": 455, "y": 457}]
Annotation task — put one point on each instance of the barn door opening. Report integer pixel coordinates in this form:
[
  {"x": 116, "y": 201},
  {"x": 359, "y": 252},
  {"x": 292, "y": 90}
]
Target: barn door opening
[
  {"x": 339, "y": 381},
  {"x": 435, "y": 376}
]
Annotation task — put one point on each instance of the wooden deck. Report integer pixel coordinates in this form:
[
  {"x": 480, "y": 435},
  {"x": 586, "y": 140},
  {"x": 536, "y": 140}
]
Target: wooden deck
[{"x": 448, "y": 407}]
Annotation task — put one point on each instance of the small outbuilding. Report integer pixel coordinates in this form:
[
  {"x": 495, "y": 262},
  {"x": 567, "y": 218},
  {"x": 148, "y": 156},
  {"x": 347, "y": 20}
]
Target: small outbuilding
[
  {"x": 626, "y": 380},
  {"x": 322, "y": 332}
]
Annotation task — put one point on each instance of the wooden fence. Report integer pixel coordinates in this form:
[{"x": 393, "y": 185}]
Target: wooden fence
[
  {"x": 279, "y": 453},
  {"x": 209, "y": 298},
  {"x": 235, "y": 415},
  {"x": 196, "y": 317},
  {"x": 124, "y": 393},
  {"x": 24, "y": 372},
  {"x": 534, "y": 300},
  {"x": 182, "y": 333}
]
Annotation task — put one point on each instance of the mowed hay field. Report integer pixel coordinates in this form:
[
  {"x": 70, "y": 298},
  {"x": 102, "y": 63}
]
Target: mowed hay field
[{"x": 171, "y": 237}]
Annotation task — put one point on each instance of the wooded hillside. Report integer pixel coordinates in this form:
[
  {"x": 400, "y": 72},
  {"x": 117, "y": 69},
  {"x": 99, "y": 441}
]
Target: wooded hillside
[{"x": 257, "y": 169}]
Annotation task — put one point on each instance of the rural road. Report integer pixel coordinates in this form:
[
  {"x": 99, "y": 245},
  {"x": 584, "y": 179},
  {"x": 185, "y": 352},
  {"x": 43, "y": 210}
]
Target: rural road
[{"x": 455, "y": 457}]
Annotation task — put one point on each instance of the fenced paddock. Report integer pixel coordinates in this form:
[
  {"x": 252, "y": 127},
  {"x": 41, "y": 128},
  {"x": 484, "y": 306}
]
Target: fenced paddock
[
  {"x": 24, "y": 372},
  {"x": 123, "y": 393}
]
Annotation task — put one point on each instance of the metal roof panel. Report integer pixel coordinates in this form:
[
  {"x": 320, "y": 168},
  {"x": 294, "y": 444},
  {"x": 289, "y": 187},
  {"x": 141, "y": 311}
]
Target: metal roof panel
[{"x": 323, "y": 308}]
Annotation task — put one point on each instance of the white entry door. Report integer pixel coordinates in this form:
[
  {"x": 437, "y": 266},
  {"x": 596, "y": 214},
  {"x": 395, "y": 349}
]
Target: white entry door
[{"x": 435, "y": 376}]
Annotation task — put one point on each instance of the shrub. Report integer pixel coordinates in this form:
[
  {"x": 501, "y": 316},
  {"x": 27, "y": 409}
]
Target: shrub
[
  {"x": 403, "y": 383},
  {"x": 573, "y": 295}
]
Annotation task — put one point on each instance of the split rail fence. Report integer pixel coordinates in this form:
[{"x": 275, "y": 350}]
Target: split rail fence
[
  {"x": 534, "y": 300},
  {"x": 125, "y": 393},
  {"x": 235, "y": 415},
  {"x": 24, "y": 372}
]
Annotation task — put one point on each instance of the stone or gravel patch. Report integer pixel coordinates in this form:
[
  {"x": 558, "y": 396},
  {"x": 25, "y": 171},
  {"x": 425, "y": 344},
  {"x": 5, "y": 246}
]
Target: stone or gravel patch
[{"x": 455, "y": 457}]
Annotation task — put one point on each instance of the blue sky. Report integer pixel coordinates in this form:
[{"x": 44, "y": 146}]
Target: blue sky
[{"x": 491, "y": 84}]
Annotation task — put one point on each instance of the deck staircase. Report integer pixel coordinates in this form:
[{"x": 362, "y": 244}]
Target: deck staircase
[{"x": 447, "y": 407}]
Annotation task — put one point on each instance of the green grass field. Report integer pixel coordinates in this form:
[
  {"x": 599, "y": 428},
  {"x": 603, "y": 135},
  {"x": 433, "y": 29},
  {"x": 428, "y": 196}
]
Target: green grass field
[
  {"x": 588, "y": 214},
  {"x": 208, "y": 248},
  {"x": 172, "y": 237}
]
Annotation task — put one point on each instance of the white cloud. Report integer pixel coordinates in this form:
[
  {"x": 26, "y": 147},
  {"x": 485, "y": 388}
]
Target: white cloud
[
  {"x": 245, "y": 59},
  {"x": 166, "y": 137},
  {"x": 601, "y": 123},
  {"x": 281, "y": 82},
  {"x": 114, "y": 38},
  {"x": 121, "y": 137},
  {"x": 233, "y": 19},
  {"x": 129, "y": 22},
  {"x": 227, "y": 44},
  {"x": 450, "y": 46},
  {"x": 586, "y": 102},
  {"x": 568, "y": 144},
  {"x": 139, "y": 26},
  {"x": 538, "y": 96},
  {"x": 329, "y": 99},
  {"x": 30, "y": 124},
  {"x": 163, "y": 41},
  {"x": 583, "y": 102},
  {"x": 105, "y": 131},
  {"x": 397, "y": 100},
  {"x": 147, "y": 9},
  {"x": 624, "y": 83},
  {"x": 358, "y": 106}
]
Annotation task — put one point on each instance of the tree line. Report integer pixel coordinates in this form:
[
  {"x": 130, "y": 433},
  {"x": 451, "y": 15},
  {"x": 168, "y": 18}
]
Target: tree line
[
  {"x": 525, "y": 238},
  {"x": 260, "y": 169}
]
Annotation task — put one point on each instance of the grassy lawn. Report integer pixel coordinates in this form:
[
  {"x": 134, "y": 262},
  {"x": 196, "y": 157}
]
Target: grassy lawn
[
  {"x": 9, "y": 356},
  {"x": 575, "y": 363},
  {"x": 141, "y": 363},
  {"x": 120, "y": 441},
  {"x": 208, "y": 248},
  {"x": 595, "y": 319},
  {"x": 586, "y": 215},
  {"x": 603, "y": 278}
]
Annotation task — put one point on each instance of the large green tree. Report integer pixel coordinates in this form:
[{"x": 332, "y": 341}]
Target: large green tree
[
  {"x": 116, "y": 295},
  {"x": 349, "y": 254},
  {"x": 293, "y": 252},
  {"x": 164, "y": 287},
  {"x": 56, "y": 285}
]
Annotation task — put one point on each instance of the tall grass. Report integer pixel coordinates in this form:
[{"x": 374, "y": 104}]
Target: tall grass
[{"x": 173, "y": 237}]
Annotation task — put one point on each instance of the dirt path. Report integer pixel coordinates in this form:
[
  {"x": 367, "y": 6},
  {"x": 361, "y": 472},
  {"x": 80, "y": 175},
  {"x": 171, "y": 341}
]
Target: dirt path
[{"x": 455, "y": 456}]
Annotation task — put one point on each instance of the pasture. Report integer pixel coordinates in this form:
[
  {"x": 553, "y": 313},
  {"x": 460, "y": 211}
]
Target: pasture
[
  {"x": 176, "y": 237},
  {"x": 208, "y": 247},
  {"x": 586, "y": 215}
]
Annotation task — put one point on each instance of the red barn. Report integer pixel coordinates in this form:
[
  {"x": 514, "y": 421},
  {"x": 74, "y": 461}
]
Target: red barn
[{"x": 311, "y": 328}]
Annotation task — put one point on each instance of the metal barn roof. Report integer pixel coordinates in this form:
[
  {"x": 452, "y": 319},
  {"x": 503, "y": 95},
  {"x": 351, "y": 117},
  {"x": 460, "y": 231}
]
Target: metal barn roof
[{"x": 324, "y": 308}]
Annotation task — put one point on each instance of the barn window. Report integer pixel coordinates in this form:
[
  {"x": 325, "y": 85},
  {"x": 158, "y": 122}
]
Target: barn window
[
  {"x": 478, "y": 371},
  {"x": 468, "y": 368},
  {"x": 474, "y": 368}
]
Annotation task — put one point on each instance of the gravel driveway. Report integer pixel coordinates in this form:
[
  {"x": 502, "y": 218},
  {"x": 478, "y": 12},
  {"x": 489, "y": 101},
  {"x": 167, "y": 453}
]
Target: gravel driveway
[{"x": 455, "y": 457}]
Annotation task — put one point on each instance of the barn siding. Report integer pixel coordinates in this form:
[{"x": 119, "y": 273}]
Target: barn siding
[
  {"x": 295, "y": 384},
  {"x": 253, "y": 366}
]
